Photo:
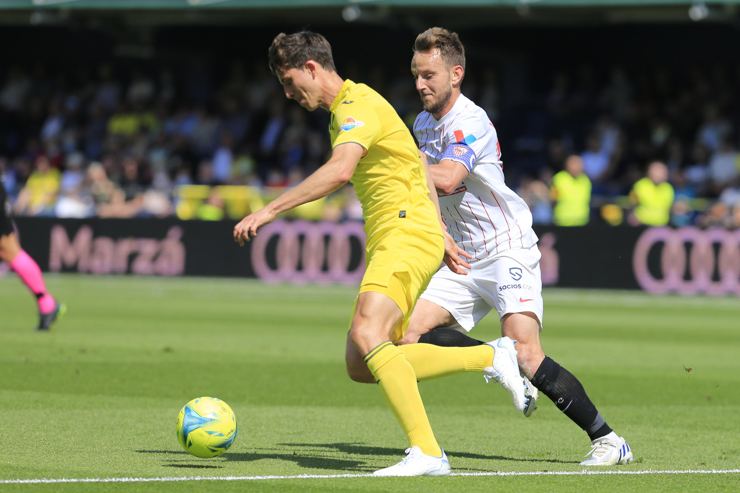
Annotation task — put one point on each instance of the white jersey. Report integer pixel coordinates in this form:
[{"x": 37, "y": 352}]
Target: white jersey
[{"x": 484, "y": 216}]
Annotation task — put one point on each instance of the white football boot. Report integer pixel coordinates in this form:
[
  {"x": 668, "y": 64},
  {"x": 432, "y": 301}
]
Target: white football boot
[
  {"x": 505, "y": 370},
  {"x": 417, "y": 463},
  {"x": 609, "y": 450}
]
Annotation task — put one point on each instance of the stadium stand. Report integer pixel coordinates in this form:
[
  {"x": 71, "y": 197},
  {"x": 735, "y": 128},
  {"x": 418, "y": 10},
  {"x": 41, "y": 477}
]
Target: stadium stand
[{"x": 203, "y": 133}]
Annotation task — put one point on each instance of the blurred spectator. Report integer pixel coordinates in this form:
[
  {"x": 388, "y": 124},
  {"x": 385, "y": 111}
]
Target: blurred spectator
[
  {"x": 94, "y": 133},
  {"x": 108, "y": 92},
  {"x": 38, "y": 196},
  {"x": 223, "y": 160},
  {"x": 54, "y": 123},
  {"x": 537, "y": 196},
  {"x": 724, "y": 166},
  {"x": 597, "y": 163},
  {"x": 610, "y": 137},
  {"x": 155, "y": 203},
  {"x": 129, "y": 202},
  {"x": 716, "y": 216},
  {"x": 697, "y": 173},
  {"x": 682, "y": 212},
  {"x": 273, "y": 129},
  {"x": 725, "y": 212},
  {"x": 652, "y": 197},
  {"x": 73, "y": 174},
  {"x": 141, "y": 89},
  {"x": 714, "y": 130},
  {"x": 72, "y": 202},
  {"x": 103, "y": 193},
  {"x": 212, "y": 209},
  {"x": 244, "y": 170},
  {"x": 15, "y": 89},
  {"x": 123, "y": 123},
  {"x": 571, "y": 192},
  {"x": 8, "y": 177}
]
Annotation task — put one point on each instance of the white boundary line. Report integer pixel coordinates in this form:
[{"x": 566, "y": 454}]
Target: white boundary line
[{"x": 342, "y": 476}]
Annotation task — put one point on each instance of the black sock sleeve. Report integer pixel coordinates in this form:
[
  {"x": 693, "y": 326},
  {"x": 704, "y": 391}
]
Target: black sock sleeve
[
  {"x": 564, "y": 389},
  {"x": 443, "y": 336}
]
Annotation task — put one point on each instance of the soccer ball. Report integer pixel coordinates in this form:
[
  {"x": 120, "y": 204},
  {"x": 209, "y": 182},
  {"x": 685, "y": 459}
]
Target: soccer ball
[{"x": 206, "y": 427}]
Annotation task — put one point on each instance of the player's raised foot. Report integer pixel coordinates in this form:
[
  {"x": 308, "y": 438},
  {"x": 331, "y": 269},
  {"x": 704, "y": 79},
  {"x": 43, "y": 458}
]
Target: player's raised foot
[
  {"x": 531, "y": 394},
  {"x": 47, "y": 319},
  {"x": 609, "y": 450},
  {"x": 505, "y": 370},
  {"x": 417, "y": 463}
]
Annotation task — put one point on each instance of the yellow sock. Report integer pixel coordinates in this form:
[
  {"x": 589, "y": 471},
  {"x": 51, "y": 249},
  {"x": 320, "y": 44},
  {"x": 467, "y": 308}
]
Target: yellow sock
[
  {"x": 397, "y": 379},
  {"x": 429, "y": 361}
]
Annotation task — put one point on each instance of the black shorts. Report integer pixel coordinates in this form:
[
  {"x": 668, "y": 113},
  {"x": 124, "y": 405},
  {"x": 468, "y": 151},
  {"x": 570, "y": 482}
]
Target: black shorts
[{"x": 6, "y": 222}]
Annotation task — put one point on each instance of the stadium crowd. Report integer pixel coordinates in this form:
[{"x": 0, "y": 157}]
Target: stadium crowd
[{"x": 617, "y": 145}]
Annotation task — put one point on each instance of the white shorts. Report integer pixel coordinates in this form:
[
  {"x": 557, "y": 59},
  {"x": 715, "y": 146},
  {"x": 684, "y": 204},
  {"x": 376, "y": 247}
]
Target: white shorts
[{"x": 510, "y": 282}]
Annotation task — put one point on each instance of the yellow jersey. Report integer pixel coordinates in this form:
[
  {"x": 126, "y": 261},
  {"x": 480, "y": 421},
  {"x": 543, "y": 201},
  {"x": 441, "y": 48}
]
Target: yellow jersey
[
  {"x": 43, "y": 188},
  {"x": 573, "y": 199},
  {"x": 390, "y": 180},
  {"x": 654, "y": 202}
]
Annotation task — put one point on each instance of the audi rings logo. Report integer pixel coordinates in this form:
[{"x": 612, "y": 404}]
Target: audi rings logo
[
  {"x": 315, "y": 252},
  {"x": 691, "y": 261}
]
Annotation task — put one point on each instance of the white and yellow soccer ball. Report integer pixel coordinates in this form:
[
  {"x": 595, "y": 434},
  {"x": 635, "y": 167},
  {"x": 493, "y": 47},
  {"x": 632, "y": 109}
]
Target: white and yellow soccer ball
[{"x": 206, "y": 427}]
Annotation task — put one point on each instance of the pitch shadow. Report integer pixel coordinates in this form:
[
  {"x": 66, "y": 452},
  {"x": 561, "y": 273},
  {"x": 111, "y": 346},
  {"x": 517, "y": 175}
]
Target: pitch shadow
[
  {"x": 319, "y": 459},
  {"x": 192, "y": 466},
  {"x": 358, "y": 449},
  {"x": 323, "y": 456}
]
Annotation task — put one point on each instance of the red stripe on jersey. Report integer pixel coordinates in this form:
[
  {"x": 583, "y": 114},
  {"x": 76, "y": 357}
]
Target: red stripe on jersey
[
  {"x": 508, "y": 227},
  {"x": 479, "y": 225},
  {"x": 495, "y": 233},
  {"x": 459, "y": 136}
]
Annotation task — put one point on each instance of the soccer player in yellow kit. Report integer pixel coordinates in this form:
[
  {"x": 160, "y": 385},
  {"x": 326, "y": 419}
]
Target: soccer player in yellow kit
[{"x": 372, "y": 148}]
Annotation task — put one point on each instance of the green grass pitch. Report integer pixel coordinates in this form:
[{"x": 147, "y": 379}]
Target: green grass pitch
[{"x": 98, "y": 397}]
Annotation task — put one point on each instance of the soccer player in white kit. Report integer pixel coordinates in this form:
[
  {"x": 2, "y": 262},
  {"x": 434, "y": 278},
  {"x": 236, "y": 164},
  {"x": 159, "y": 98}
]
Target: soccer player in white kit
[{"x": 494, "y": 263}]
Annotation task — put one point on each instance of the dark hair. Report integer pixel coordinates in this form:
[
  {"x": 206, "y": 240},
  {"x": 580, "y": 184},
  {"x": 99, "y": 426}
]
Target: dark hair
[
  {"x": 293, "y": 50},
  {"x": 447, "y": 42}
]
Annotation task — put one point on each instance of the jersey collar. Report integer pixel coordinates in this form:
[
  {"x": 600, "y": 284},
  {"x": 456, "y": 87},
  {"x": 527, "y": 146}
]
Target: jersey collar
[
  {"x": 342, "y": 93},
  {"x": 455, "y": 108}
]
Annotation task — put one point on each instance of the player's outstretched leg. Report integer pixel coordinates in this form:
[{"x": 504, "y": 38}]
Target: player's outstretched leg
[
  {"x": 30, "y": 273},
  {"x": 429, "y": 363},
  {"x": 443, "y": 336},
  {"x": 496, "y": 360}
]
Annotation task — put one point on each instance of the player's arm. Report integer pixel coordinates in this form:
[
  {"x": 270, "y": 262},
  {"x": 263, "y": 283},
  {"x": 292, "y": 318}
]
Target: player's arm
[
  {"x": 454, "y": 255},
  {"x": 335, "y": 173},
  {"x": 448, "y": 174},
  {"x": 465, "y": 144}
]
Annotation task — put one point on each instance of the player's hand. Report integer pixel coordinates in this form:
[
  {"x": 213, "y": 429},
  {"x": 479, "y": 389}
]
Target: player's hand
[
  {"x": 247, "y": 227},
  {"x": 455, "y": 256}
]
